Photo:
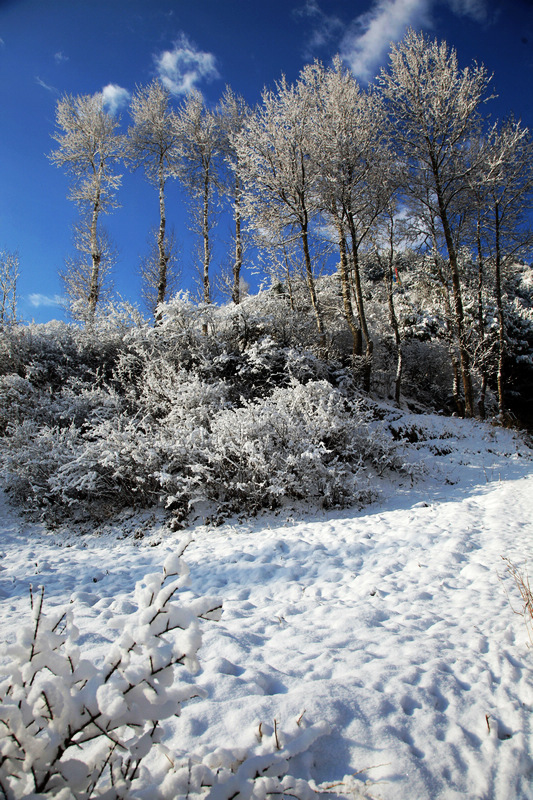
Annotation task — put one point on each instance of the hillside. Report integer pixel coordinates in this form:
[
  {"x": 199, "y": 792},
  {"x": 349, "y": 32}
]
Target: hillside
[{"x": 394, "y": 624}]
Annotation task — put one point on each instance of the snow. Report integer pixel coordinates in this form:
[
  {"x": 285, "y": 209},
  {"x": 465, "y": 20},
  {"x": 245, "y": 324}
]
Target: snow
[{"x": 394, "y": 625}]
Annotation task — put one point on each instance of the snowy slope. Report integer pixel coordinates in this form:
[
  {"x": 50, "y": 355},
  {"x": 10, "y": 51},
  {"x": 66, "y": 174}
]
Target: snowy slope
[{"x": 395, "y": 624}]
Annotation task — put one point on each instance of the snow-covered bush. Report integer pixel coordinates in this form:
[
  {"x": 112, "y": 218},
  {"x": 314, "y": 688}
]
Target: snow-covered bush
[
  {"x": 177, "y": 397},
  {"x": 304, "y": 441},
  {"x": 73, "y": 728},
  {"x": 19, "y": 400},
  {"x": 84, "y": 405},
  {"x": 259, "y": 771},
  {"x": 32, "y": 455}
]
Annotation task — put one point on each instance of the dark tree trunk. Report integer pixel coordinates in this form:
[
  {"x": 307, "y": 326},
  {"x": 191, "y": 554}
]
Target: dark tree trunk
[
  {"x": 501, "y": 316},
  {"x": 464, "y": 356},
  {"x": 237, "y": 264},
  {"x": 346, "y": 292},
  {"x": 369, "y": 344}
]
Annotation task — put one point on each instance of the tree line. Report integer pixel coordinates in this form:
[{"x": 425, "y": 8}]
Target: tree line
[{"x": 411, "y": 161}]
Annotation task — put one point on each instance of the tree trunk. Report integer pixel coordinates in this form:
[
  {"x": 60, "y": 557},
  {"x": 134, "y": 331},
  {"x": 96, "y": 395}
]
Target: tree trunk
[
  {"x": 464, "y": 355},
  {"x": 237, "y": 264},
  {"x": 205, "y": 234},
  {"x": 501, "y": 316},
  {"x": 311, "y": 281},
  {"x": 346, "y": 292},
  {"x": 459, "y": 405},
  {"x": 163, "y": 258},
  {"x": 395, "y": 328},
  {"x": 94, "y": 286},
  {"x": 480, "y": 322},
  {"x": 369, "y": 344}
]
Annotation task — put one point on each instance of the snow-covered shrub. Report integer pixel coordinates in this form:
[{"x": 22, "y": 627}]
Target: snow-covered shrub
[
  {"x": 19, "y": 400},
  {"x": 72, "y": 727},
  {"x": 135, "y": 461},
  {"x": 58, "y": 467},
  {"x": 84, "y": 404},
  {"x": 68, "y": 723},
  {"x": 177, "y": 397},
  {"x": 304, "y": 441},
  {"x": 259, "y": 771},
  {"x": 32, "y": 454}
]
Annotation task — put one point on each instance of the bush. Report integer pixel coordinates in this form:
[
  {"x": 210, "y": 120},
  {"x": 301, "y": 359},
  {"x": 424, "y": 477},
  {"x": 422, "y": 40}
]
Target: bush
[
  {"x": 303, "y": 442},
  {"x": 72, "y": 728}
]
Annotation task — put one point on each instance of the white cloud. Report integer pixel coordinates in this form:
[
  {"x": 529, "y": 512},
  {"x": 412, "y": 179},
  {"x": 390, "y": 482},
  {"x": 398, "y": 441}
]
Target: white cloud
[
  {"x": 476, "y": 9},
  {"x": 114, "y": 97},
  {"x": 365, "y": 45},
  {"x": 183, "y": 67},
  {"x": 60, "y": 57},
  {"x": 327, "y": 27},
  {"x": 38, "y": 300},
  {"x": 46, "y": 86}
]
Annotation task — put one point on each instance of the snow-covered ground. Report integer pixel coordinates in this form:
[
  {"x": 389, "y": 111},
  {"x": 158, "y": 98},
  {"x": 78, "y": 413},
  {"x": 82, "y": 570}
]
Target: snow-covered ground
[{"x": 394, "y": 624}]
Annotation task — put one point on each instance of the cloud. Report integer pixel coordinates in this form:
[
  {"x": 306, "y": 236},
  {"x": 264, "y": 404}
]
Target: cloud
[
  {"x": 114, "y": 97},
  {"x": 60, "y": 57},
  {"x": 327, "y": 27},
  {"x": 38, "y": 300},
  {"x": 46, "y": 85},
  {"x": 364, "y": 47},
  {"x": 476, "y": 9},
  {"x": 183, "y": 67}
]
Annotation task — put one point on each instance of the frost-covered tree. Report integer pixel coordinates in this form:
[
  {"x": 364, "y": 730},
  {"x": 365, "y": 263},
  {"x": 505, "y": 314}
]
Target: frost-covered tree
[
  {"x": 200, "y": 147},
  {"x": 353, "y": 178},
  {"x": 89, "y": 146},
  {"x": 434, "y": 109},
  {"x": 279, "y": 192},
  {"x": 9, "y": 273},
  {"x": 153, "y": 145},
  {"x": 503, "y": 188},
  {"x": 233, "y": 113}
]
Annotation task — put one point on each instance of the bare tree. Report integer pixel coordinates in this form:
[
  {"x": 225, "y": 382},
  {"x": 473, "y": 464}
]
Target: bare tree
[
  {"x": 503, "y": 191},
  {"x": 232, "y": 115},
  {"x": 9, "y": 274},
  {"x": 153, "y": 144},
  {"x": 353, "y": 168},
  {"x": 200, "y": 148},
  {"x": 89, "y": 146},
  {"x": 434, "y": 107},
  {"x": 279, "y": 191}
]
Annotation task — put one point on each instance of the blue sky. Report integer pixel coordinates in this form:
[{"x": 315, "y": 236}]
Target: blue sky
[{"x": 52, "y": 47}]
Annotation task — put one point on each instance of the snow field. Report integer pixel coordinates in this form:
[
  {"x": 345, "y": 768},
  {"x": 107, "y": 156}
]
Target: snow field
[{"x": 394, "y": 624}]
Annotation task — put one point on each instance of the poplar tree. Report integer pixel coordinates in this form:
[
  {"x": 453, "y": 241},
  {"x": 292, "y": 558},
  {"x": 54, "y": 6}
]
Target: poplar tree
[
  {"x": 434, "y": 109},
  {"x": 153, "y": 144},
  {"x": 503, "y": 191},
  {"x": 351, "y": 152},
  {"x": 232, "y": 113},
  {"x": 89, "y": 147},
  {"x": 199, "y": 147},
  {"x": 279, "y": 193}
]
